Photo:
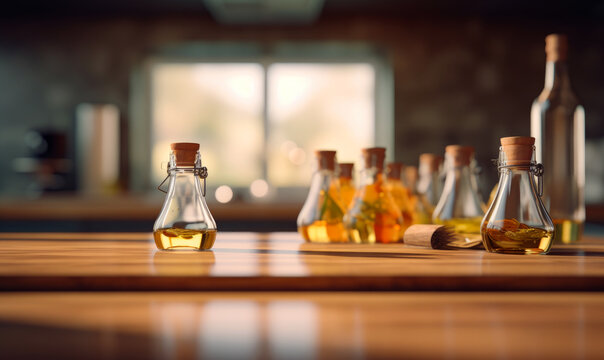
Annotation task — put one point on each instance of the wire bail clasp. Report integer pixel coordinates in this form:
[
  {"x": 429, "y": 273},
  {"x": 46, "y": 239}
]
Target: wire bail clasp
[
  {"x": 537, "y": 170},
  {"x": 198, "y": 170}
]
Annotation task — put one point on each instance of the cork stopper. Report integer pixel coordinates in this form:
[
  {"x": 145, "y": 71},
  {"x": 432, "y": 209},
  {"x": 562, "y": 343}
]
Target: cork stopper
[
  {"x": 326, "y": 159},
  {"x": 346, "y": 170},
  {"x": 374, "y": 157},
  {"x": 518, "y": 150},
  {"x": 431, "y": 162},
  {"x": 184, "y": 153},
  {"x": 394, "y": 170},
  {"x": 460, "y": 155},
  {"x": 556, "y": 47}
]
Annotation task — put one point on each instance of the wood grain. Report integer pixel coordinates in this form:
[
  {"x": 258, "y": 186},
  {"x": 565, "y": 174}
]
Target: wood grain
[
  {"x": 282, "y": 261},
  {"x": 302, "y": 325}
]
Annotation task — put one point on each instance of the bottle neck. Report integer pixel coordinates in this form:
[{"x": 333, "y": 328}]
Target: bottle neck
[
  {"x": 372, "y": 175},
  {"x": 185, "y": 182},
  {"x": 556, "y": 75}
]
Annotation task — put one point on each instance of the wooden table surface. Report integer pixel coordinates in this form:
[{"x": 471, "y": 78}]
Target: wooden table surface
[
  {"x": 282, "y": 261},
  {"x": 114, "y": 296}
]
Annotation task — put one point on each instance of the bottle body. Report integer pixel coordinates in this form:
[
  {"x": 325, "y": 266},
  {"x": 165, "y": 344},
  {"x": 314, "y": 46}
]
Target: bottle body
[
  {"x": 185, "y": 222},
  {"x": 459, "y": 206},
  {"x": 373, "y": 216},
  {"x": 347, "y": 191},
  {"x": 400, "y": 195},
  {"x": 321, "y": 217},
  {"x": 516, "y": 221},
  {"x": 558, "y": 125}
]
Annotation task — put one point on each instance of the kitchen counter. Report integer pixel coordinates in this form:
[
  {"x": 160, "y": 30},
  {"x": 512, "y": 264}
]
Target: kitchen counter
[{"x": 262, "y": 295}]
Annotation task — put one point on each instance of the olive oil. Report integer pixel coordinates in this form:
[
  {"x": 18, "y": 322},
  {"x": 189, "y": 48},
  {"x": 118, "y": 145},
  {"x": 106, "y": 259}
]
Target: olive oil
[
  {"x": 466, "y": 227},
  {"x": 184, "y": 239},
  {"x": 567, "y": 231},
  {"x": 510, "y": 236},
  {"x": 322, "y": 231}
]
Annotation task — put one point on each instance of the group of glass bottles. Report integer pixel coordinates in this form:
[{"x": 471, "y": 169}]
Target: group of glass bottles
[{"x": 380, "y": 208}]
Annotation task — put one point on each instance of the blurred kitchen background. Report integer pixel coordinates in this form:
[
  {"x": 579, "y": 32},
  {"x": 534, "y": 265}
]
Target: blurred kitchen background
[{"x": 93, "y": 92}]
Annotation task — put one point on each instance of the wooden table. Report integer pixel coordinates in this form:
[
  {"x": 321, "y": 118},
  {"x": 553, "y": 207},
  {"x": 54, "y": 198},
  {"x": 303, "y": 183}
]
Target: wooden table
[{"x": 271, "y": 295}]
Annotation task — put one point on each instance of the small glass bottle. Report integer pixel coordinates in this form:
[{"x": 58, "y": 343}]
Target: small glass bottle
[
  {"x": 347, "y": 188},
  {"x": 429, "y": 186},
  {"x": 400, "y": 194},
  {"x": 185, "y": 222},
  {"x": 459, "y": 205},
  {"x": 373, "y": 216},
  {"x": 321, "y": 217},
  {"x": 517, "y": 222},
  {"x": 558, "y": 126},
  {"x": 430, "y": 181}
]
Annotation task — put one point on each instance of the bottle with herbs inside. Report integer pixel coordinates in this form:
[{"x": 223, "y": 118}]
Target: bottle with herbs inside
[
  {"x": 558, "y": 125},
  {"x": 400, "y": 194},
  {"x": 321, "y": 217},
  {"x": 347, "y": 188},
  {"x": 185, "y": 222},
  {"x": 373, "y": 216},
  {"x": 459, "y": 206},
  {"x": 516, "y": 221}
]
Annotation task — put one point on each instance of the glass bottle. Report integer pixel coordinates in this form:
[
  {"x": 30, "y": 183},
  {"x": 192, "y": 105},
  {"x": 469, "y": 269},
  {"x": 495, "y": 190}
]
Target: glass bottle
[
  {"x": 347, "y": 188},
  {"x": 185, "y": 222},
  {"x": 400, "y": 194},
  {"x": 459, "y": 205},
  {"x": 321, "y": 217},
  {"x": 429, "y": 186},
  {"x": 558, "y": 125},
  {"x": 373, "y": 216},
  {"x": 516, "y": 221}
]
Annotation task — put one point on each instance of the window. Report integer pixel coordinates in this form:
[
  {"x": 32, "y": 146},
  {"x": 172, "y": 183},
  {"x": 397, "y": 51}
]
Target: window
[{"x": 259, "y": 121}]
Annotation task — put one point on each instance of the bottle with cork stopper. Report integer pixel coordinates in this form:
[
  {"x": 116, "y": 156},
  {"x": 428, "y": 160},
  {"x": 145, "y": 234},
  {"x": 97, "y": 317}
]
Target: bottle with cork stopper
[
  {"x": 347, "y": 188},
  {"x": 321, "y": 217},
  {"x": 459, "y": 206},
  {"x": 373, "y": 216},
  {"x": 185, "y": 222},
  {"x": 516, "y": 221},
  {"x": 400, "y": 194},
  {"x": 558, "y": 126}
]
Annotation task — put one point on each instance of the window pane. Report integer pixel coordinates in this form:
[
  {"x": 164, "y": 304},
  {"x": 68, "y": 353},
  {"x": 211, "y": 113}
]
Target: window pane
[
  {"x": 218, "y": 105},
  {"x": 317, "y": 106}
]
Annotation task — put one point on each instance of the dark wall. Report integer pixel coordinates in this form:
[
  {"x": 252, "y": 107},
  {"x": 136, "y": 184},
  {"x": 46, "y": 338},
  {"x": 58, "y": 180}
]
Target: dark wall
[{"x": 467, "y": 80}]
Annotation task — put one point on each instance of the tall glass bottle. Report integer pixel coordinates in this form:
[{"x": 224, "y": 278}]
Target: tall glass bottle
[
  {"x": 558, "y": 125},
  {"x": 185, "y": 222},
  {"x": 373, "y": 216},
  {"x": 347, "y": 188},
  {"x": 400, "y": 194},
  {"x": 517, "y": 222},
  {"x": 321, "y": 217},
  {"x": 459, "y": 205}
]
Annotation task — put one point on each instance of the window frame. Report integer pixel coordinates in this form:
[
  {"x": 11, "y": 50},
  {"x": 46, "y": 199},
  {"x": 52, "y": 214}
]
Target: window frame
[{"x": 140, "y": 125}]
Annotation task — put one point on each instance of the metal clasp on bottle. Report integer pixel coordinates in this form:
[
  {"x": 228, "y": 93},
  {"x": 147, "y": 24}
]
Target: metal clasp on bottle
[
  {"x": 198, "y": 170},
  {"x": 537, "y": 170}
]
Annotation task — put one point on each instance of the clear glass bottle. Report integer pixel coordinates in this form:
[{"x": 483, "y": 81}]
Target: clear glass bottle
[
  {"x": 459, "y": 205},
  {"x": 373, "y": 216},
  {"x": 347, "y": 188},
  {"x": 185, "y": 222},
  {"x": 558, "y": 126},
  {"x": 400, "y": 194},
  {"x": 430, "y": 183},
  {"x": 321, "y": 217},
  {"x": 429, "y": 186},
  {"x": 516, "y": 221}
]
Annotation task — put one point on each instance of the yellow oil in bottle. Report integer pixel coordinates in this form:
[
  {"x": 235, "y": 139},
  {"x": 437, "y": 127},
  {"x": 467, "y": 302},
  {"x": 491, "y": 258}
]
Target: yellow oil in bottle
[
  {"x": 567, "y": 231},
  {"x": 375, "y": 218},
  {"x": 400, "y": 195},
  {"x": 467, "y": 227},
  {"x": 510, "y": 236},
  {"x": 322, "y": 231},
  {"x": 184, "y": 239},
  {"x": 347, "y": 191}
]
